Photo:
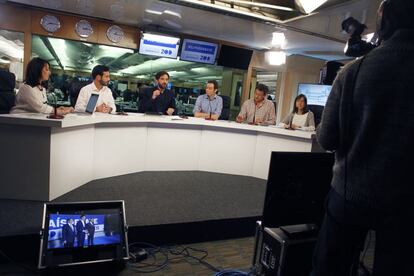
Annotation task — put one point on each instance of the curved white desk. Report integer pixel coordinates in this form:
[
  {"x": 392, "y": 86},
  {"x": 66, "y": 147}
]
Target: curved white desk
[{"x": 43, "y": 159}]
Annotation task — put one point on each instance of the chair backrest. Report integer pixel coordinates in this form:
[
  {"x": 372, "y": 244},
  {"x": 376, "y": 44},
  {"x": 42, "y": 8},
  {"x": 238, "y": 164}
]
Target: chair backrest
[
  {"x": 74, "y": 89},
  {"x": 7, "y": 96},
  {"x": 225, "y": 112},
  {"x": 317, "y": 112}
]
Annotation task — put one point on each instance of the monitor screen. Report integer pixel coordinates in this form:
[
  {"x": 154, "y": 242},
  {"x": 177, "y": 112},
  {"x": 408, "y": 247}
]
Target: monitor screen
[
  {"x": 198, "y": 51},
  {"x": 159, "y": 45},
  {"x": 234, "y": 57},
  {"x": 83, "y": 232},
  {"x": 317, "y": 94},
  {"x": 297, "y": 197}
]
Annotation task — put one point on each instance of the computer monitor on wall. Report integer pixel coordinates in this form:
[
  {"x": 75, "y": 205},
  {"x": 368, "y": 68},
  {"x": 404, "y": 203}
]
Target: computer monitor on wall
[{"x": 316, "y": 94}]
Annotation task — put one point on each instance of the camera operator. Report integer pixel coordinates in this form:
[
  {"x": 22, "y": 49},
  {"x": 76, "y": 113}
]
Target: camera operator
[{"x": 369, "y": 122}]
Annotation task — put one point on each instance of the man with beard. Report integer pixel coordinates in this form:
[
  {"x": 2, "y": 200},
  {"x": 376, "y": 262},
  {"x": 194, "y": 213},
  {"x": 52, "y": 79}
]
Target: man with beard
[
  {"x": 158, "y": 99},
  {"x": 106, "y": 103}
]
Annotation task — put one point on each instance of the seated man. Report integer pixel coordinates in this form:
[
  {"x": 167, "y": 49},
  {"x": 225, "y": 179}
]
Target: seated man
[
  {"x": 209, "y": 105},
  {"x": 158, "y": 99},
  {"x": 106, "y": 103},
  {"x": 259, "y": 110}
]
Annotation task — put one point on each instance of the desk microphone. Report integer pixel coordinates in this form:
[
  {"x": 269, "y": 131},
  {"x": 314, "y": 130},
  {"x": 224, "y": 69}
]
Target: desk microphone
[
  {"x": 54, "y": 115},
  {"x": 209, "y": 106},
  {"x": 254, "y": 115}
]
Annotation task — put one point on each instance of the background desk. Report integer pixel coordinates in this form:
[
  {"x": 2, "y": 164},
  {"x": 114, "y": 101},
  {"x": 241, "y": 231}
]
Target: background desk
[{"x": 43, "y": 159}]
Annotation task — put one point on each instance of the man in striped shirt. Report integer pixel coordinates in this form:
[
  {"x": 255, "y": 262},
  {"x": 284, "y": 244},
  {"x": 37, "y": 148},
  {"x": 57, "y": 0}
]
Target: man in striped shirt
[{"x": 259, "y": 110}]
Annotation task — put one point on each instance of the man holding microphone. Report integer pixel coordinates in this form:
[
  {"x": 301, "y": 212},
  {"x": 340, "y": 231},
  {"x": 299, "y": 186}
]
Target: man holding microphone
[{"x": 158, "y": 99}]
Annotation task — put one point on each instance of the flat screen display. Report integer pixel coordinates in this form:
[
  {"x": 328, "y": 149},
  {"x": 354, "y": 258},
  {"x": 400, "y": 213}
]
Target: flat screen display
[
  {"x": 83, "y": 232},
  {"x": 297, "y": 198},
  {"x": 159, "y": 45},
  {"x": 234, "y": 57},
  {"x": 198, "y": 51},
  {"x": 317, "y": 94}
]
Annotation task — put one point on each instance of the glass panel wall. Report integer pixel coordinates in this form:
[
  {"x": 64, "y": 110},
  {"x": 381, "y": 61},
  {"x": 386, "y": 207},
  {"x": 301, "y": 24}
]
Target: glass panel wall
[
  {"x": 11, "y": 53},
  {"x": 72, "y": 63}
]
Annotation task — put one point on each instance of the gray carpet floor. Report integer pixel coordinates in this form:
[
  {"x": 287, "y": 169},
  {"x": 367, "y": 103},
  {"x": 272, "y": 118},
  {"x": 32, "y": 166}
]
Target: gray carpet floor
[{"x": 153, "y": 198}]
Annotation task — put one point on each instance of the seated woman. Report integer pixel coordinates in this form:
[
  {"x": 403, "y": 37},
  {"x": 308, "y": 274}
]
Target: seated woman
[
  {"x": 31, "y": 97},
  {"x": 300, "y": 117}
]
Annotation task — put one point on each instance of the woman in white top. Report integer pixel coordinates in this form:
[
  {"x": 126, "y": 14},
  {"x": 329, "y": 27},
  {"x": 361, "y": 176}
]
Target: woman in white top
[
  {"x": 301, "y": 117},
  {"x": 31, "y": 97}
]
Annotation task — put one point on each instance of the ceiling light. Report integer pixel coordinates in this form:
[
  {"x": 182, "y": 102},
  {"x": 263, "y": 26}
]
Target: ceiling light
[
  {"x": 173, "y": 13},
  {"x": 275, "y": 57},
  {"x": 278, "y": 39},
  {"x": 261, "y": 5},
  {"x": 309, "y": 6},
  {"x": 117, "y": 50},
  {"x": 153, "y": 12}
]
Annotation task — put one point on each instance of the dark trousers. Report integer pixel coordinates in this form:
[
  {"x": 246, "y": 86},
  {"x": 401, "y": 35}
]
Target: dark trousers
[
  {"x": 343, "y": 232},
  {"x": 90, "y": 239}
]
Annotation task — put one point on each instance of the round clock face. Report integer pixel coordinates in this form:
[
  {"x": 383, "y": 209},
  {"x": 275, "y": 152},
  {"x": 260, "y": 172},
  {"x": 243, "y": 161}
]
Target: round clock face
[
  {"x": 83, "y": 28},
  {"x": 115, "y": 33},
  {"x": 50, "y": 23}
]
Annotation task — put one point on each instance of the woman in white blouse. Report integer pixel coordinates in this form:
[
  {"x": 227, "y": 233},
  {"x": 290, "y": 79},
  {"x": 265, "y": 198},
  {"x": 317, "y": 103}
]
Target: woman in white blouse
[
  {"x": 31, "y": 97},
  {"x": 301, "y": 117}
]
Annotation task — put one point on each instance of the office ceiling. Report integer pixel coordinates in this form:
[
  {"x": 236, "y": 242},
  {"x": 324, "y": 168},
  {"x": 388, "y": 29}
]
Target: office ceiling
[{"x": 316, "y": 35}]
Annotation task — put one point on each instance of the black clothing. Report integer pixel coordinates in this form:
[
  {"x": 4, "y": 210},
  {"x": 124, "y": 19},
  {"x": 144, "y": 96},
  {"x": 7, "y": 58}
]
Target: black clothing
[
  {"x": 368, "y": 121},
  {"x": 160, "y": 105},
  {"x": 342, "y": 236},
  {"x": 378, "y": 146},
  {"x": 7, "y": 96}
]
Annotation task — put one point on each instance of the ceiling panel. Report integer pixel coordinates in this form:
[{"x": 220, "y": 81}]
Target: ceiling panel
[{"x": 310, "y": 35}]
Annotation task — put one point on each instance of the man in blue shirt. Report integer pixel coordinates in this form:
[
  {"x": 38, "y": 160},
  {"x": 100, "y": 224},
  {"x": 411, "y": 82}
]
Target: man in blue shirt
[
  {"x": 209, "y": 105},
  {"x": 158, "y": 99}
]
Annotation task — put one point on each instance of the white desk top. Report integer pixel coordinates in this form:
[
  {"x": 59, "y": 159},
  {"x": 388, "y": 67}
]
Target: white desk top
[{"x": 74, "y": 120}]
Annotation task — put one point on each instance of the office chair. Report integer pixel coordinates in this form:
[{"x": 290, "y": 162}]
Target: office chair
[
  {"x": 7, "y": 96},
  {"x": 74, "y": 89},
  {"x": 225, "y": 112},
  {"x": 127, "y": 95},
  {"x": 317, "y": 112}
]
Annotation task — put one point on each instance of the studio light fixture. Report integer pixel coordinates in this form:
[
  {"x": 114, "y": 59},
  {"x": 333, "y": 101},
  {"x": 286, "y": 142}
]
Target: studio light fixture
[
  {"x": 275, "y": 57},
  {"x": 278, "y": 39},
  {"x": 308, "y": 6}
]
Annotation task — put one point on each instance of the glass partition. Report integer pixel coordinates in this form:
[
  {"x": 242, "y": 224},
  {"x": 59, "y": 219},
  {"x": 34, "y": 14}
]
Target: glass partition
[{"x": 11, "y": 53}]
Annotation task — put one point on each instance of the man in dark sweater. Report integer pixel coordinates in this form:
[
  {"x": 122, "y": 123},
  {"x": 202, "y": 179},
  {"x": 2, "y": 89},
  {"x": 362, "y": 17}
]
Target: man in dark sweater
[
  {"x": 158, "y": 99},
  {"x": 369, "y": 122}
]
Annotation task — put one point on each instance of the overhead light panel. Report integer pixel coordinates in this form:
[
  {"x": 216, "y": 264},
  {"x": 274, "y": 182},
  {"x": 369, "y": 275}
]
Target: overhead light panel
[
  {"x": 153, "y": 12},
  {"x": 278, "y": 39},
  {"x": 260, "y": 5},
  {"x": 309, "y": 6},
  {"x": 275, "y": 57},
  {"x": 173, "y": 13}
]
